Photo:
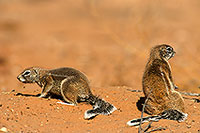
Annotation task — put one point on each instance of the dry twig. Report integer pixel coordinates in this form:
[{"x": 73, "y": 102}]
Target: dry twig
[
  {"x": 140, "y": 127},
  {"x": 157, "y": 129},
  {"x": 134, "y": 90},
  {"x": 148, "y": 126},
  {"x": 184, "y": 93},
  {"x": 193, "y": 99},
  {"x": 190, "y": 94}
]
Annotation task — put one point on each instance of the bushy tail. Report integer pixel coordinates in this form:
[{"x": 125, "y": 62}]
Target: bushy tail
[
  {"x": 99, "y": 107},
  {"x": 168, "y": 114},
  {"x": 136, "y": 122},
  {"x": 176, "y": 115}
]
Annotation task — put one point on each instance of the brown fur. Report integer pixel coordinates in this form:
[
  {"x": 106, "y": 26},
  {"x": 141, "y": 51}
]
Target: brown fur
[
  {"x": 157, "y": 78},
  {"x": 69, "y": 83}
]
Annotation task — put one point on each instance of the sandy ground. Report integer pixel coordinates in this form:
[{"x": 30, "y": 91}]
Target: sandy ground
[
  {"x": 107, "y": 40},
  {"x": 31, "y": 114}
]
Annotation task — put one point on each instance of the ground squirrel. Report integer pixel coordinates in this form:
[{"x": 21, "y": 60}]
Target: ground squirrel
[
  {"x": 70, "y": 84},
  {"x": 163, "y": 101}
]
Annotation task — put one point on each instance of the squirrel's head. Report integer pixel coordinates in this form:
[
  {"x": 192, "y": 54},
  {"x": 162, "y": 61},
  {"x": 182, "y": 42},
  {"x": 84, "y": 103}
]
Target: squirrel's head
[
  {"x": 163, "y": 51},
  {"x": 29, "y": 75}
]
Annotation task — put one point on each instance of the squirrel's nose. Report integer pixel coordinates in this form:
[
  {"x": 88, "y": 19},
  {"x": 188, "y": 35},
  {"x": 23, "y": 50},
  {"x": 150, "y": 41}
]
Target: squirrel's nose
[{"x": 20, "y": 78}]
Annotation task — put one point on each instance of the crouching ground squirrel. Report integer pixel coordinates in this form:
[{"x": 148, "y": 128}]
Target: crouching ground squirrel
[
  {"x": 163, "y": 101},
  {"x": 69, "y": 83}
]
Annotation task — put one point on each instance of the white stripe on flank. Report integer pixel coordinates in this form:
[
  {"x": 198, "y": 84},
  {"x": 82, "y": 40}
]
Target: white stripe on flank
[
  {"x": 165, "y": 82},
  {"x": 71, "y": 104}
]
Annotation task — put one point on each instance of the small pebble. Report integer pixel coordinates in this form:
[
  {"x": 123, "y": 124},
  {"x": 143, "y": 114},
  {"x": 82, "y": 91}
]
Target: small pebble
[
  {"x": 12, "y": 90},
  {"x": 189, "y": 126},
  {"x": 3, "y": 129}
]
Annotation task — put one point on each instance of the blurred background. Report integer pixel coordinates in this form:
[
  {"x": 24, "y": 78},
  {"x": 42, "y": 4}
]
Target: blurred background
[{"x": 107, "y": 40}]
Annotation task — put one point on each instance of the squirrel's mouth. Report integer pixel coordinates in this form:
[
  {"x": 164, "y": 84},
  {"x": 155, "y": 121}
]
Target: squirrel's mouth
[{"x": 173, "y": 54}]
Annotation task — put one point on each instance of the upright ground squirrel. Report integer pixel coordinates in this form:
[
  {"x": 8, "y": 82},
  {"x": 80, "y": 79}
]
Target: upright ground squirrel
[
  {"x": 69, "y": 83},
  {"x": 163, "y": 101}
]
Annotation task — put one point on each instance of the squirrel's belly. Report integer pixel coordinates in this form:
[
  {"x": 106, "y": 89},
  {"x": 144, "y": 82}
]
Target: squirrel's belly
[{"x": 56, "y": 91}]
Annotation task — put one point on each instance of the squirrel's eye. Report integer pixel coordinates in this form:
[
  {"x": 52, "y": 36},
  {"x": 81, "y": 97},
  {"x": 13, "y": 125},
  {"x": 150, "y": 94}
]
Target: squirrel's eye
[
  {"x": 27, "y": 72},
  {"x": 169, "y": 49}
]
